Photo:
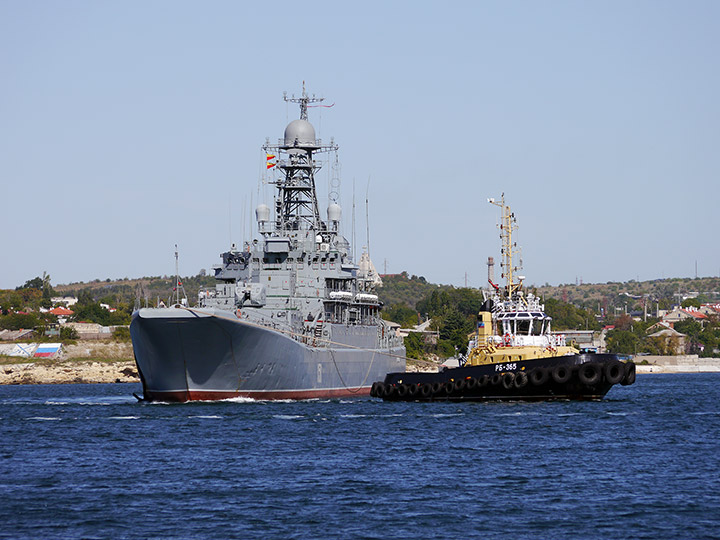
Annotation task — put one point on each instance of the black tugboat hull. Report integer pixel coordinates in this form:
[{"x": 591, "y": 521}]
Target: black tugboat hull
[{"x": 587, "y": 376}]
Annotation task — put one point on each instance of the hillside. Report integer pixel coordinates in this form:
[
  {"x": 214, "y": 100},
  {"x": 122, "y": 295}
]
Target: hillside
[
  {"x": 408, "y": 300},
  {"x": 406, "y": 290},
  {"x": 602, "y": 299},
  {"x": 606, "y": 299},
  {"x": 151, "y": 289}
]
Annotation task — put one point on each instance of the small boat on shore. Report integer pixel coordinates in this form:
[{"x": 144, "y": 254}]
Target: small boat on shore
[{"x": 513, "y": 354}]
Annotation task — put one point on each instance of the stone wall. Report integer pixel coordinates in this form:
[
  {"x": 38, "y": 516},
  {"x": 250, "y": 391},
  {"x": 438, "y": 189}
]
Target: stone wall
[{"x": 687, "y": 363}]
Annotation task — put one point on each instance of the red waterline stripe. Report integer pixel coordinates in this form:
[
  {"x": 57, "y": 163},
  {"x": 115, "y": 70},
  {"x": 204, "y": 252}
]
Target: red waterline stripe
[{"x": 205, "y": 395}]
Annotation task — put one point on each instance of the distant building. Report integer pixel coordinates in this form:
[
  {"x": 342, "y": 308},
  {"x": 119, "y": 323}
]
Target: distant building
[
  {"x": 87, "y": 330},
  {"x": 62, "y": 313},
  {"x": 681, "y": 314},
  {"x": 65, "y": 300},
  {"x": 394, "y": 327},
  {"x": 585, "y": 339},
  {"x": 673, "y": 341},
  {"x": 14, "y": 335}
]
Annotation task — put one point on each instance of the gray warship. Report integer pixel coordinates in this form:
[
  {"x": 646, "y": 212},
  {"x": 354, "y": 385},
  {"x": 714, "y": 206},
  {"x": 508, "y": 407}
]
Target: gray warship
[{"x": 291, "y": 315}]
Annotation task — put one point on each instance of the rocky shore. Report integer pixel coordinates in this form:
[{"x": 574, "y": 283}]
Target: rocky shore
[
  {"x": 112, "y": 363},
  {"x": 68, "y": 371},
  {"x": 84, "y": 362}
]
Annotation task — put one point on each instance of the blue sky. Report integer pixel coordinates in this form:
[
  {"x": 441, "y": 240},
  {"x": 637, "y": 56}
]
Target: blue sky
[{"x": 127, "y": 127}]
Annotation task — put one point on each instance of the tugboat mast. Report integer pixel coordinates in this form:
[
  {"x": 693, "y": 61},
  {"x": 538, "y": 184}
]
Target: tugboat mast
[{"x": 508, "y": 224}]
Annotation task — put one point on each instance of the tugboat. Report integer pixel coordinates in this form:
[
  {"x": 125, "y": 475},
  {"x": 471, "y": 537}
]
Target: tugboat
[
  {"x": 513, "y": 354},
  {"x": 291, "y": 316}
]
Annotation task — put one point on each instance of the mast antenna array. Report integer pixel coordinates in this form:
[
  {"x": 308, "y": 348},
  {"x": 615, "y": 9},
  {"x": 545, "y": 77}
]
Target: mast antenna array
[
  {"x": 508, "y": 224},
  {"x": 296, "y": 204},
  {"x": 304, "y": 100}
]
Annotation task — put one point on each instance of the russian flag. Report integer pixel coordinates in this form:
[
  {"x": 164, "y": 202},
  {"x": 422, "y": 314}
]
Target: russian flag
[{"x": 47, "y": 350}]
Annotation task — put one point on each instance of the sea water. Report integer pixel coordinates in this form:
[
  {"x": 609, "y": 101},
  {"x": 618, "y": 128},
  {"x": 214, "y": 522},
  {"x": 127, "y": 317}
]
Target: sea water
[{"x": 88, "y": 461}]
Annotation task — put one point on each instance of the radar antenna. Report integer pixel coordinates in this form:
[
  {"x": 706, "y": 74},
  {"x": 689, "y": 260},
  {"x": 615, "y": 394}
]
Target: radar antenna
[{"x": 303, "y": 100}]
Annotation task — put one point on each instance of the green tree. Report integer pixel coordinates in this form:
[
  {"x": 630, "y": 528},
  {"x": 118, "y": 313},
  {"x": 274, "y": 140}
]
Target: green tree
[
  {"x": 20, "y": 321},
  {"x": 85, "y": 297},
  {"x": 414, "y": 345},
  {"x": 10, "y": 301},
  {"x": 566, "y": 316},
  {"x": 454, "y": 328},
  {"x": 622, "y": 342},
  {"x": 121, "y": 334},
  {"x": 624, "y": 323},
  {"x": 689, "y": 327},
  {"x": 406, "y": 317},
  {"x": 35, "y": 283},
  {"x": 68, "y": 333}
]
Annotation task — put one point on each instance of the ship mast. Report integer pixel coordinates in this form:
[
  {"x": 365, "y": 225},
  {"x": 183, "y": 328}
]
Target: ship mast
[
  {"x": 303, "y": 100},
  {"x": 508, "y": 224},
  {"x": 296, "y": 204},
  {"x": 178, "y": 283}
]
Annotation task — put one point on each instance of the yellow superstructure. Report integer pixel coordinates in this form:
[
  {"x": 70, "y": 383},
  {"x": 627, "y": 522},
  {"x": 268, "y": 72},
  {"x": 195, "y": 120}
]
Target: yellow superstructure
[{"x": 516, "y": 327}]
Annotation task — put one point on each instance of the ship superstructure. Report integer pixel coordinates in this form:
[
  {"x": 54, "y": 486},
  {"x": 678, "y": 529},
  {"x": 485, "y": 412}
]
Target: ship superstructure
[{"x": 291, "y": 314}]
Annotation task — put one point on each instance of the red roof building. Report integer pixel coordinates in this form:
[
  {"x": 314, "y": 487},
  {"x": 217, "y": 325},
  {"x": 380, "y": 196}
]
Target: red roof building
[
  {"x": 695, "y": 313},
  {"x": 61, "y": 311}
]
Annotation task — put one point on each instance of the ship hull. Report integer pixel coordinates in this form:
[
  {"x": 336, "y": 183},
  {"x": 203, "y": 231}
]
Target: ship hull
[
  {"x": 186, "y": 355},
  {"x": 572, "y": 377}
]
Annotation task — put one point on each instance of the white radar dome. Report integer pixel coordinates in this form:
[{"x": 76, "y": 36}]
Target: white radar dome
[
  {"x": 300, "y": 132},
  {"x": 334, "y": 212},
  {"x": 262, "y": 212}
]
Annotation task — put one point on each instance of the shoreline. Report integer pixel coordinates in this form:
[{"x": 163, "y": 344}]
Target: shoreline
[
  {"x": 689, "y": 363},
  {"x": 123, "y": 370},
  {"x": 69, "y": 371}
]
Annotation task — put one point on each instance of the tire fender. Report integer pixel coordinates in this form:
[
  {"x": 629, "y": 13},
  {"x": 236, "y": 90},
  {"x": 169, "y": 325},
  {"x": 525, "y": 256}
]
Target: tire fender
[
  {"x": 521, "y": 379},
  {"x": 561, "y": 374},
  {"x": 589, "y": 374},
  {"x": 614, "y": 372}
]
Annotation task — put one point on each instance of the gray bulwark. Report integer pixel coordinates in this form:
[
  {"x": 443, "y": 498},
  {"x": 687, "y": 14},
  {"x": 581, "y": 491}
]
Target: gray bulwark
[{"x": 290, "y": 315}]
